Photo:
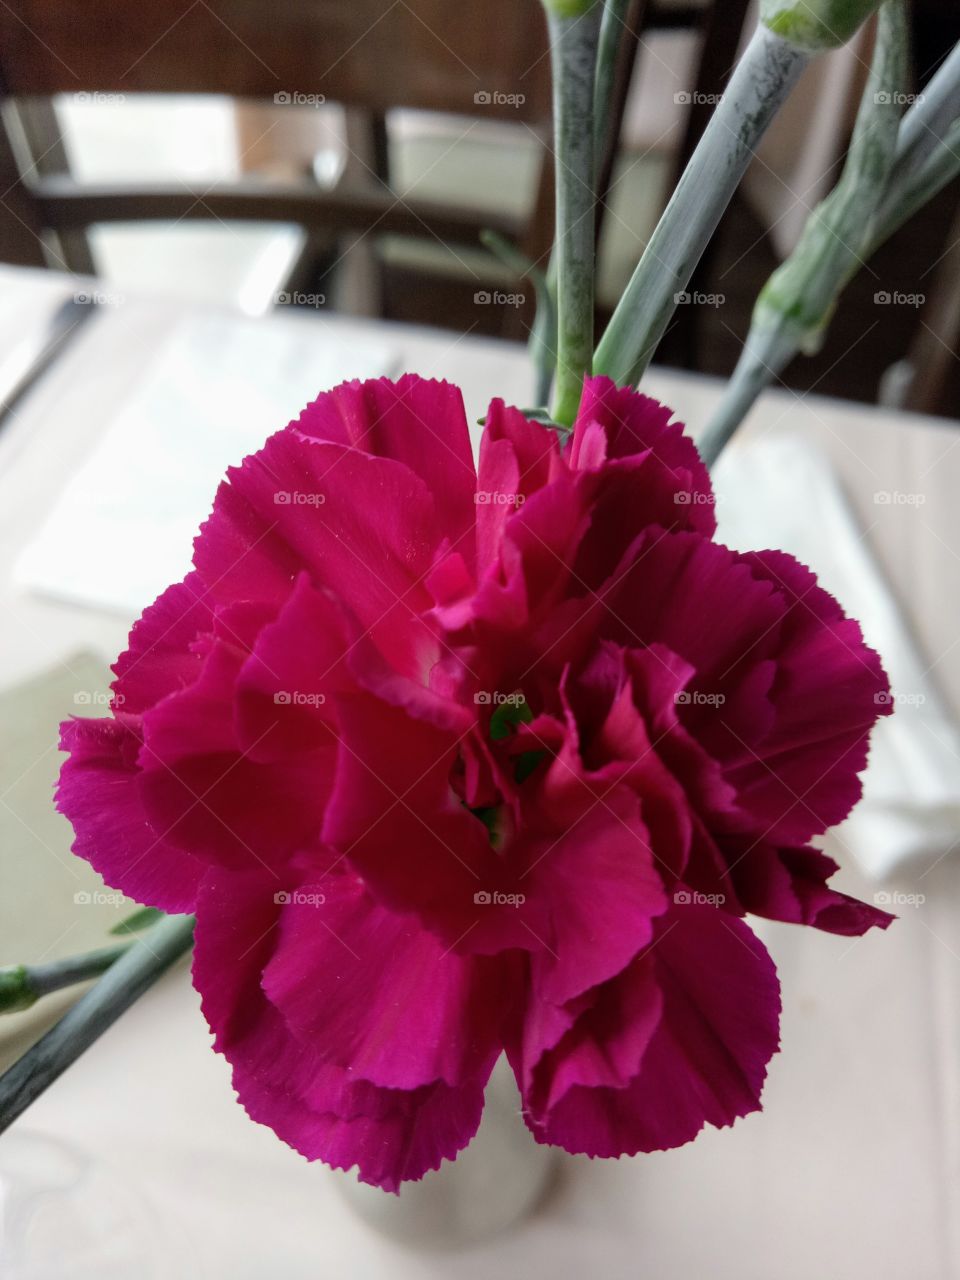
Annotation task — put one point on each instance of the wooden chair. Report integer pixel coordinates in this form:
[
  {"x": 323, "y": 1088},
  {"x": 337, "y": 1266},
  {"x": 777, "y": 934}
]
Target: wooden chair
[{"x": 488, "y": 60}]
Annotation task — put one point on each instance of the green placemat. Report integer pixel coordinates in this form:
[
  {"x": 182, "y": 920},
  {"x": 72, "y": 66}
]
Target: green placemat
[{"x": 52, "y": 904}]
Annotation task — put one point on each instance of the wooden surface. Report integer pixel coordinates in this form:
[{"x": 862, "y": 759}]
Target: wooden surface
[{"x": 852, "y": 1171}]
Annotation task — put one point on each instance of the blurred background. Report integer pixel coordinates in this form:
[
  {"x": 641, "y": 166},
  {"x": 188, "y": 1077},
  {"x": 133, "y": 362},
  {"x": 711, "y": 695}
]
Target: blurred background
[{"x": 346, "y": 157}]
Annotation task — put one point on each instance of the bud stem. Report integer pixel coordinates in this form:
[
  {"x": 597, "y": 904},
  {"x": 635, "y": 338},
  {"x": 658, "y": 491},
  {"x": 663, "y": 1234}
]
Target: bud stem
[
  {"x": 124, "y": 982},
  {"x": 23, "y": 985}
]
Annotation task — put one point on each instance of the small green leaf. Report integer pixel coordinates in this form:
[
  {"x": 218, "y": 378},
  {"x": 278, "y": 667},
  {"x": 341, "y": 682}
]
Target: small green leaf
[
  {"x": 526, "y": 763},
  {"x": 141, "y": 919},
  {"x": 507, "y": 716}
]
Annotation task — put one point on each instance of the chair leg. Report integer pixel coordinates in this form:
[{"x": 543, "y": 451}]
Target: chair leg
[
  {"x": 43, "y": 138},
  {"x": 21, "y": 240},
  {"x": 360, "y": 287},
  {"x": 934, "y": 357}
]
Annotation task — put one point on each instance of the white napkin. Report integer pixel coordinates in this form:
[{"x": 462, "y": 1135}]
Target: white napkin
[
  {"x": 783, "y": 493},
  {"x": 124, "y": 527}
]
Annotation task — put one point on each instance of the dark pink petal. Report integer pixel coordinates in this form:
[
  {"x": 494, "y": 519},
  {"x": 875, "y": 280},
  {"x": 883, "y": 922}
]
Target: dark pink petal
[
  {"x": 704, "y": 1064},
  {"x": 791, "y": 885},
  {"x": 517, "y": 457},
  {"x": 395, "y": 815},
  {"x": 380, "y": 996},
  {"x": 392, "y": 1135},
  {"x": 602, "y": 1039},
  {"x": 828, "y": 690},
  {"x": 416, "y": 421},
  {"x": 301, "y": 504},
  {"x": 239, "y": 553},
  {"x": 98, "y": 793},
  {"x": 593, "y": 894},
  {"x": 208, "y": 793},
  {"x": 159, "y": 658},
  {"x": 678, "y": 581},
  {"x": 287, "y": 686},
  {"x": 639, "y": 429}
]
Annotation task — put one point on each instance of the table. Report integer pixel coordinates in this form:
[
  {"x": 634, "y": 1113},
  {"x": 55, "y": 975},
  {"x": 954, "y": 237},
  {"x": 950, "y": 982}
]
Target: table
[{"x": 853, "y": 1168}]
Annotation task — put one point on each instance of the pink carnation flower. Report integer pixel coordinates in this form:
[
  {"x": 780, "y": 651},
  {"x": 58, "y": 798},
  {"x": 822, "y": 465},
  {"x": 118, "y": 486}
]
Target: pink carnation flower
[{"x": 451, "y": 761}]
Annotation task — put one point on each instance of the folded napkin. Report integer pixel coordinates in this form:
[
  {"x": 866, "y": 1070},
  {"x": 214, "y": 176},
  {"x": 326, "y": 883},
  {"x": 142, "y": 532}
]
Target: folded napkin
[
  {"x": 124, "y": 527},
  {"x": 783, "y": 493}
]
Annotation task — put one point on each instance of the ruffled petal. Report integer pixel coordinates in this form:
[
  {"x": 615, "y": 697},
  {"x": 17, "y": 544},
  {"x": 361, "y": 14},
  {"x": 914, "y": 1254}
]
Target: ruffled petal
[
  {"x": 664, "y": 466},
  {"x": 396, "y": 817},
  {"x": 416, "y": 421},
  {"x": 391, "y": 1135},
  {"x": 365, "y": 527},
  {"x": 160, "y": 658},
  {"x": 704, "y": 1063},
  {"x": 380, "y": 996},
  {"x": 208, "y": 793},
  {"x": 98, "y": 792},
  {"x": 791, "y": 885},
  {"x": 828, "y": 690}
]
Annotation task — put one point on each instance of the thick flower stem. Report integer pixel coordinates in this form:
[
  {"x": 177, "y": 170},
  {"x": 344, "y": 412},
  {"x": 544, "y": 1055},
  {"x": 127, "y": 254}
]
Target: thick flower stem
[
  {"x": 123, "y": 983},
  {"x": 22, "y": 985},
  {"x": 573, "y": 44},
  {"x": 760, "y": 84}
]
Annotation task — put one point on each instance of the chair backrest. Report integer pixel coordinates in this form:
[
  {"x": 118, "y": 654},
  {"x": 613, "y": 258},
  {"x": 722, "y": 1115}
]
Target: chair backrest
[{"x": 439, "y": 55}]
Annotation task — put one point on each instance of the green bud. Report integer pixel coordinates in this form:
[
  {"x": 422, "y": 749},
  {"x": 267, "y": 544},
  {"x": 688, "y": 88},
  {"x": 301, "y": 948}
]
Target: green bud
[
  {"x": 15, "y": 991},
  {"x": 815, "y": 24}
]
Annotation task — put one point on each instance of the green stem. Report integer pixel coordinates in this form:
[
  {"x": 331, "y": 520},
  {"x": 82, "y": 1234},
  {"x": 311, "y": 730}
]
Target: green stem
[
  {"x": 23, "y": 985},
  {"x": 760, "y": 84},
  {"x": 795, "y": 305},
  {"x": 927, "y": 150},
  {"x": 123, "y": 983},
  {"x": 612, "y": 27},
  {"x": 573, "y": 44}
]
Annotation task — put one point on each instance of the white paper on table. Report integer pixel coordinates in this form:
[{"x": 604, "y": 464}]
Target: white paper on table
[
  {"x": 123, "y": 529},
  {"x": 783, "y": 493}
]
